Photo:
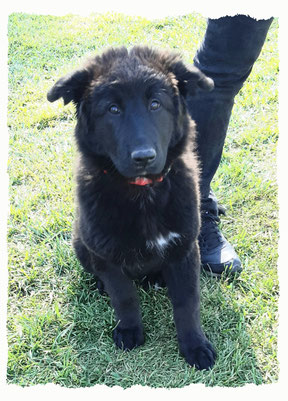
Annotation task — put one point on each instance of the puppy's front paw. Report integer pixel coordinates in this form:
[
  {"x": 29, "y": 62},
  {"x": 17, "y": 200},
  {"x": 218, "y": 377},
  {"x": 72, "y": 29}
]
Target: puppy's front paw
[
  {"x": 129, "y": 338},
  {"x": 202, "y": 356}
]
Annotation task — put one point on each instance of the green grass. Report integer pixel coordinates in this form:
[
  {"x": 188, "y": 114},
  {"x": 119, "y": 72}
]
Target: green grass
[{"x": 59, "y": 327}]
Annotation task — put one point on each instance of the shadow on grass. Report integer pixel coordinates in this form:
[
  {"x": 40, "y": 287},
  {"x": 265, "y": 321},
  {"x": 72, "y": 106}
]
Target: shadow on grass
[{"x": 157, "y": 363}]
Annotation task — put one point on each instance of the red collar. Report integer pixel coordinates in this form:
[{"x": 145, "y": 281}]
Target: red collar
[{"x": 142, "y": 181}]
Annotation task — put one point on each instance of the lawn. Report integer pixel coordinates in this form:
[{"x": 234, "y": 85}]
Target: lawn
[{"x": 59, "y": 327}]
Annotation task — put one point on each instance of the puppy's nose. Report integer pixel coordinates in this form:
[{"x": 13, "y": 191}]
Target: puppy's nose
[{"x": 142, "y": 157}]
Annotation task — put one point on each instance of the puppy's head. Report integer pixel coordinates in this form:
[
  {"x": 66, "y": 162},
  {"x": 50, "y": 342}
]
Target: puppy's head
[{"x": 131, "y": 108}]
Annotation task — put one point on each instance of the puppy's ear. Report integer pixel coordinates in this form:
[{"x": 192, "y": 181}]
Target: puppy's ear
[
  {"x": 71, "y": 87},
  {"x": 190, "y": 79}
]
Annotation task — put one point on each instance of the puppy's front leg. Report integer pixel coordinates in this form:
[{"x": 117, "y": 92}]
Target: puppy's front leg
[
  {"x": 128, "y": 333},
  {"x": 182, "y": 279}
]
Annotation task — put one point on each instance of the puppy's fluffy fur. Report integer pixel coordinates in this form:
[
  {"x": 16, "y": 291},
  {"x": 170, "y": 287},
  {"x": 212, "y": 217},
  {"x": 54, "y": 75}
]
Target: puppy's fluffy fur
[{"x": 138, "y": 198}]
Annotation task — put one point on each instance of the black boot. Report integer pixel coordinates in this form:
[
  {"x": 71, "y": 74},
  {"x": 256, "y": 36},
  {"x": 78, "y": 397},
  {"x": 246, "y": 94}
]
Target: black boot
[{"x": 217, "y": 255}]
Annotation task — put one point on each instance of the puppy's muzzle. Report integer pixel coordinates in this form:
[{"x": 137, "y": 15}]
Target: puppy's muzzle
[{"x": 143, "y": 157}]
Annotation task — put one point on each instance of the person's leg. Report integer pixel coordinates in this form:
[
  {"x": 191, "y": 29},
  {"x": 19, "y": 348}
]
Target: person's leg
[{"x": 230, "y": 47}]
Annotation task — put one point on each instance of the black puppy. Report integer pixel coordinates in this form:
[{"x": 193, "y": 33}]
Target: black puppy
[{"x": 138, "y": 200}]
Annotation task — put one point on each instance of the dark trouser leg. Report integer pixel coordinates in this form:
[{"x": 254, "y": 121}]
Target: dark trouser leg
[{"x": 230, "y": 47}]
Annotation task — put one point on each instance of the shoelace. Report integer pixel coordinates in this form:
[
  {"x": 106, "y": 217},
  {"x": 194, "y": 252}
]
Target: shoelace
[{"x": 210, "y": 236}]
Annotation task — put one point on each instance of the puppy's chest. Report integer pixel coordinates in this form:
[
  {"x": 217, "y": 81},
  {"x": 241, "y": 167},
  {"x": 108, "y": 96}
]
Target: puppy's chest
[
  {"x": 138, "y": 232},
  {"x": 148, "y": 247},
  {"x": 150, "y": 230},
  {"x": 161, "y": 242},
  {"x": 138, "y": 262}
]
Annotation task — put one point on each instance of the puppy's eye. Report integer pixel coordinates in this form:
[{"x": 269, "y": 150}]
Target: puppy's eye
[
  {"x": 114, "y": 109},
  {"x": 155, "y": 105}
]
